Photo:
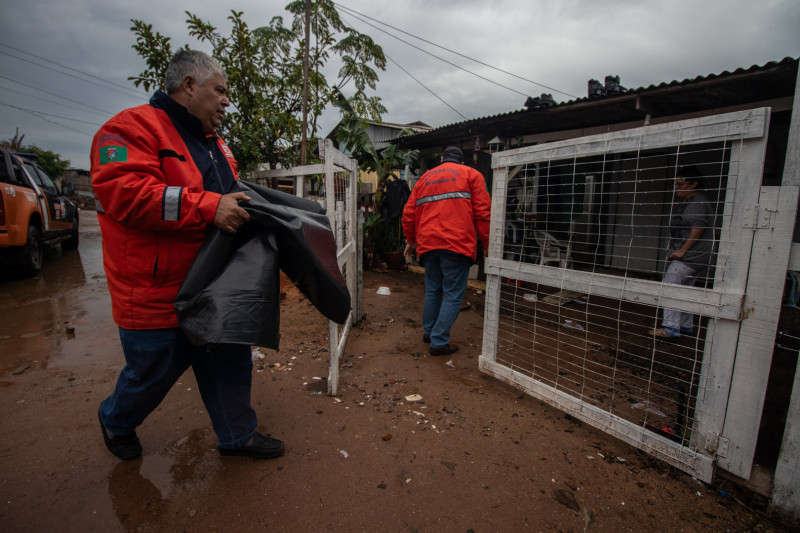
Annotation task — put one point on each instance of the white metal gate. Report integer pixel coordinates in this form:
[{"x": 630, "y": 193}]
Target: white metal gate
[
  {"x": 334, "y": 184},
  {"x": 577, "y": 251}
]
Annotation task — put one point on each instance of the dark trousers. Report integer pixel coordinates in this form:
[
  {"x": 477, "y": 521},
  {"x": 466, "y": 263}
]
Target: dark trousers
[{"x": 156, "y": 358}]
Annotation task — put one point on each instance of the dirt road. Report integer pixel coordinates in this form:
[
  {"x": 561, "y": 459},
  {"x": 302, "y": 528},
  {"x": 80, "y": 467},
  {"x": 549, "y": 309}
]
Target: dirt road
[{"x": 471, "y": 454}]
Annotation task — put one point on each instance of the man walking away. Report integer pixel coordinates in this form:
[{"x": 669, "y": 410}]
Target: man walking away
[{"x": 447, "y": 212}]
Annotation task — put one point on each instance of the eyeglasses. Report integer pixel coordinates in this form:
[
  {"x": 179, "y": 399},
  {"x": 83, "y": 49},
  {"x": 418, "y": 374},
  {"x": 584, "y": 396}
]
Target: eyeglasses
[{"x": 681, "y": 184}]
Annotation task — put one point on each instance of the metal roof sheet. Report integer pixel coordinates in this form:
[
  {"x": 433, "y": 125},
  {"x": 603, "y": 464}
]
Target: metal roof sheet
[{"x": 774, "y": 79}]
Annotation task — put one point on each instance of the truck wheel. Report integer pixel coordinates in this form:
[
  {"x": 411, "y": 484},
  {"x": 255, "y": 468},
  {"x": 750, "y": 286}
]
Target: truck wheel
[
  {"x": 72, "y": 242},
  {"x": 32, "y": 252}
]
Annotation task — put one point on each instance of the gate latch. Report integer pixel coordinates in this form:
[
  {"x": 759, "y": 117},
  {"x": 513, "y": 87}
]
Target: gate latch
[{"x": 717, "y": 444}]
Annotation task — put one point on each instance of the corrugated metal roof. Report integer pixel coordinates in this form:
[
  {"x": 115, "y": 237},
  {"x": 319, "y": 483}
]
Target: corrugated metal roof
[
  {"x": 723, "y": 74},
  {"x": 774, "y": 79},
  {"x": 421, "y": 126},
  {"x": 417, "y": 126}
]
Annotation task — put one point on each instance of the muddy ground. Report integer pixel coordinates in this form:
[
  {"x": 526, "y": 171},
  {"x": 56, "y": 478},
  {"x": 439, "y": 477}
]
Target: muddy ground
[{"x": 473, "y": 454}]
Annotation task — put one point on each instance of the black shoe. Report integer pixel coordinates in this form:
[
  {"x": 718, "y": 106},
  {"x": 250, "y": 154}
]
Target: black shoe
[
  {"x": 426, "y": 338},
  {"x": 260, "y": 447},
  {"x": 447, "y": 349},
  {"x": 126, "y": 447}
]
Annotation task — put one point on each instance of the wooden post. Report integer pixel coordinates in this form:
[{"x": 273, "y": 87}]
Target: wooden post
[
  {"x": 493, "y": 282},
  {"x": 304, "y": 142},
  {"x": 723, "y": 336},
  {"x": 785, "y": 492}
]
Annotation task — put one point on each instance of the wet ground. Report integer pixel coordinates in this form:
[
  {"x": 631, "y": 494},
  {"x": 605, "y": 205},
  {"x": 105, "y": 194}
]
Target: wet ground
[
  {"x": 40, "y": 314},
  {"x": 412, "y": 443}
]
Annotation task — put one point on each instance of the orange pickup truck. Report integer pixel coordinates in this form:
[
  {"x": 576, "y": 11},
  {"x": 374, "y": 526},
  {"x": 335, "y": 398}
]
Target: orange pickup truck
[{"x": 34, "y": 212}]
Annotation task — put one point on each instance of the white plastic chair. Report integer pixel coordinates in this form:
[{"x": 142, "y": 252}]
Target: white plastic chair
[{"x": 551, "y": 250}]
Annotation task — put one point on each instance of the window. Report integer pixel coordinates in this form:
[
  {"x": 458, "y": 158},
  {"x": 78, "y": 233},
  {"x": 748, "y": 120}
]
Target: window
[
  {"x": 41, "y": 179},
  {"x": 19, "y": 176}
]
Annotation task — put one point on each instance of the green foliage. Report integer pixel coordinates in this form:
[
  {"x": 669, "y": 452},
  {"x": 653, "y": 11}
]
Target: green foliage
[
  {"x": 380, "y": 233},
  {"x": 389, "y": 237},
  {"x": 156, "y": 51},
  {"x": 353, "y": 137},
  {"x": 265, "y": 76},
  {"x": 50, "y": 162}
]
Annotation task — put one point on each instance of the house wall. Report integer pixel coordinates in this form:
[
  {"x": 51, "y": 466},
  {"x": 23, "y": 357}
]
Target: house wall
[
  {"x": 369, "y": 177},
  {"x": 379, "y": 134},
  {"x": 79, "y": 179}
]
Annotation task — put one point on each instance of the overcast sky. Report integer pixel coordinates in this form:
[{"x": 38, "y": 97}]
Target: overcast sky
[{"x": 559, "y": 44}]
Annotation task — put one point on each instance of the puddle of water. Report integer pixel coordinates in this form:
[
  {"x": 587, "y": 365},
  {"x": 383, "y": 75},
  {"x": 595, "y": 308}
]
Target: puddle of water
[
  {"x": 62, "y": 314},
  {"x": 186, "y": 463}
]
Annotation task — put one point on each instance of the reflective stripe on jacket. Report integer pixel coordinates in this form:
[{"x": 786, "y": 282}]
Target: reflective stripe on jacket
[
  {"x": 448, "y": 207},
  {"x": 153, "y": 206}
]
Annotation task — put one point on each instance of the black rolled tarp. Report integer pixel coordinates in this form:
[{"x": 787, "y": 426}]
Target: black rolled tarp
[{"x": 231, "y": 293}]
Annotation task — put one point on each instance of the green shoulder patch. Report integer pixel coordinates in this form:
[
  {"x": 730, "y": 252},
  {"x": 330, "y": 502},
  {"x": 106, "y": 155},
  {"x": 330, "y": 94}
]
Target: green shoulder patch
[{"x": 110, "y": 154}]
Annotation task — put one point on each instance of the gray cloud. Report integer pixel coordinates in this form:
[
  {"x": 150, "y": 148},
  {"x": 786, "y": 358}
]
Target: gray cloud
[{"x": 558, "y": 44}]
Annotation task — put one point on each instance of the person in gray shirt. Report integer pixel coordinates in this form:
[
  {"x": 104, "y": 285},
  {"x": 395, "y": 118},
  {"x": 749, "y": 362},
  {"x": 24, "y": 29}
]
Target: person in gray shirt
[{"x": 692, "y": 243}]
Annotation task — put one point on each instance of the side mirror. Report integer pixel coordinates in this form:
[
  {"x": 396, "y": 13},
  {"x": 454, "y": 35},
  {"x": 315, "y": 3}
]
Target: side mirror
[{"x": 67, "y": 190}]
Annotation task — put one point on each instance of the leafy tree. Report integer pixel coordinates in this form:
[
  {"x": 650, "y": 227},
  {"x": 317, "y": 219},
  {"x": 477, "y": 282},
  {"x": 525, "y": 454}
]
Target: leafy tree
[
  {"x": 356, "y": 51},
  {"x": 384, "y": 230},
  {"x": 353, "y": 136},
  {"x": 157, "y": 53},
  {"x": 51, "y": 162},
  {"x": 265, "y": 77}
]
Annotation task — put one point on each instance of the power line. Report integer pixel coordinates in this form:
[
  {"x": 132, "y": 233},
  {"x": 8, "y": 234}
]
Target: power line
[
  {"x": 51, "y": 121},
  {"x": 28, "y": 61},
  {"x": 439, "y": 58},
  {"x": 130, "y": 92},
  {"x": 56, "y": 95},
  {"x": 426, "y": 87},
  {"x": 51, "y": 101},
  {"x": 454, "y": 52},
  {"x": 49, "y": 114}
]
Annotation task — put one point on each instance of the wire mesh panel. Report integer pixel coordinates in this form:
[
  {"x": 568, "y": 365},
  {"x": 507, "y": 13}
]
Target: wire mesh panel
[
  {"x": 598, "y": 351},
  {"x": 613, "y": 262}
]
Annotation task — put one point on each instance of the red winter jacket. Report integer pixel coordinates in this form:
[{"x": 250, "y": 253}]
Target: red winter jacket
[
  {"x": 446, "y": 206},
  {"x": 153, "y": 206}
]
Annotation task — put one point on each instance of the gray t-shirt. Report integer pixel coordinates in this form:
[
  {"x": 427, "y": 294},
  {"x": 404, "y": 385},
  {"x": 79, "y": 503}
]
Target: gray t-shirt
[{"x": 694, "y": 212}]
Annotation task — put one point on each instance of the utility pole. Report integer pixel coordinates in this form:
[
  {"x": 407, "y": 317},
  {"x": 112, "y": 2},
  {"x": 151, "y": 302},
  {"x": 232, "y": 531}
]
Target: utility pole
[{"x": 304, "y": 143}]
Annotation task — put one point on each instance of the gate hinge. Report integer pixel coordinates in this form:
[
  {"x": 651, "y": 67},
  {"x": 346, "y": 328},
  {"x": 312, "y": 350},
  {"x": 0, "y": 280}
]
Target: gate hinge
[
  {"x": 717, "y": 444},
  {"x": 757, "y": 217}
]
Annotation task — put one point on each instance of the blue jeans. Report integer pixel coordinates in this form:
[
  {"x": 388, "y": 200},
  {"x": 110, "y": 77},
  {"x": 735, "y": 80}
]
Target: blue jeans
[
  {"x": 445, "y": 284},
  {"x": 156, "y": 358},
  {"x": 676, "y": 322}
]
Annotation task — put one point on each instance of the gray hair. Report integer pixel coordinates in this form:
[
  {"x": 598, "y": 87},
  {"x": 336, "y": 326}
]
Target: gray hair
[{"x": 194, "y": 63}]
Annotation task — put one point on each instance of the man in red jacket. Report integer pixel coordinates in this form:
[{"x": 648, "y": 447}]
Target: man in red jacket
[
  {"x": 448, "y": 209},
  {"x": 162, "y": 176}
]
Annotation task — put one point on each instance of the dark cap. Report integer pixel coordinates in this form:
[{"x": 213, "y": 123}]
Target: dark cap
[{"x": 451, "y": 153}]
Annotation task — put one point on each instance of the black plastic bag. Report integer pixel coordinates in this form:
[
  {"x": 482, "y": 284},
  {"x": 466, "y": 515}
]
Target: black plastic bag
[{"x": 231, "y": 292}]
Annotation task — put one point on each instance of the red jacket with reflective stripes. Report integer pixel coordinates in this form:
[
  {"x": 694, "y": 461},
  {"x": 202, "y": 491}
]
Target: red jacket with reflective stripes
[
  {"x": 448, "y": 207},
  {"x": 153, "y": 212}
]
